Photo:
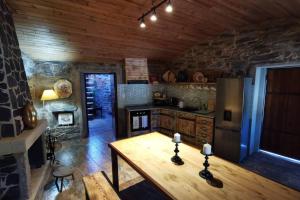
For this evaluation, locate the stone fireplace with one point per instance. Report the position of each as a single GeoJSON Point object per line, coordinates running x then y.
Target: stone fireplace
{"type": "Point", "coordinates": [23, 167]}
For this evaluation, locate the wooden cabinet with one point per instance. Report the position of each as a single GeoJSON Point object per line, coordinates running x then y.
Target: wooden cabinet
{"type": "Point", "coordinates": [194, 129]}
{"type": "Point", "coordinates": [186, 126]}
{"type": "Point", "coordinates": [204, 130]}
{"type": "Point", "coordinates": [155, 120]}
{"type": "Point", "coordinates": [167, 122]}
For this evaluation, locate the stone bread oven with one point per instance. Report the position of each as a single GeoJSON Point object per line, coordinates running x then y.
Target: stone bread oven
{"type": "Point", "coordinates": [22, 152]}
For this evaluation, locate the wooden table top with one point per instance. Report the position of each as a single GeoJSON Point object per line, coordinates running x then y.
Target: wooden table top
{"type": "Point", "coordinates": [150, 155]}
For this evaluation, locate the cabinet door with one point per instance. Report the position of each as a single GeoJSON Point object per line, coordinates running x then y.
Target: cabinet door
{"type": "Point", "coordinates": [155, 120]}
{"type": "Point", "coordinates": [186, 127]}
{"type": "Point", "coordinates": [166, 122]}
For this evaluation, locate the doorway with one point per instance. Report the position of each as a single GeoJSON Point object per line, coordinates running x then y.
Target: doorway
{"type": "Point", "coordinates": [281, 124]}
{"type": "Point", "coordinates": [100, 101]}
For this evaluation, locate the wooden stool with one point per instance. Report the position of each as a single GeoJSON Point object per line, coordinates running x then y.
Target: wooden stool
{"type": "Point", "coordinates": [62, 172]}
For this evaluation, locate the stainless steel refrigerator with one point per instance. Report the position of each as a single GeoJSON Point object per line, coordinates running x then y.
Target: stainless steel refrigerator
{"type": "Point", "coordinates": [233, 118]}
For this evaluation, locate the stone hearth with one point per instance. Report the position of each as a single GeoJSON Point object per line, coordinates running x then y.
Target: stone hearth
{"type": "Point", "coordinates": [19, 178]}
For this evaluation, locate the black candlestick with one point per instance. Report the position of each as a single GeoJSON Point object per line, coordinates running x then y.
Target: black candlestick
{"type": "Point", "coordinates": [176, 159]}
{"type": "Point", "coordinates": [205, 173]}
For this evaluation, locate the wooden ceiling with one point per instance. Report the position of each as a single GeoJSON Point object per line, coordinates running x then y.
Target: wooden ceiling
{"type": "Point", "coordinates": [97, 30]}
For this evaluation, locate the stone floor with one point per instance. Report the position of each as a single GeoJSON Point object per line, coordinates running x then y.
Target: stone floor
{"type": "Point", "coordinates": [275, 168]}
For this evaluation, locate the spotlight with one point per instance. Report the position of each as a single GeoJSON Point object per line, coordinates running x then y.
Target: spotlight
{"type": "Point", "coordinates": [169, 7]}
{"type": "Point", "coordinates": [153, 16]}
{"type": "Point", "coordinates": [142, 24]}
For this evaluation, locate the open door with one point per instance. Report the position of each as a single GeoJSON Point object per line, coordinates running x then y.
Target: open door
{"type": "Point", "coordinates": [281, 126]}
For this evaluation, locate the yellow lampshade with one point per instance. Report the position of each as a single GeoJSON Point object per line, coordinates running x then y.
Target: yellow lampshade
{"type": "Point", "coordinates": [49, 95]}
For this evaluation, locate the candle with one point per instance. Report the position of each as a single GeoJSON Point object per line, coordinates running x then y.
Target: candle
{"type": "Point", "coordinates": [176, 137]}
{"type": "Point", "coordinates": [207, 149]}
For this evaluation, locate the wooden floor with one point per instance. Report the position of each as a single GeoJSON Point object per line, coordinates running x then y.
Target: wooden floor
{"type": "Point", "coordinates": [93, 155]}
{"type": "Point", "coordinates": [88, 156]}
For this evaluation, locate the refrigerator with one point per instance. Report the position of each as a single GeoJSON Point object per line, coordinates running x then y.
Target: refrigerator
{"type": "Point", "coordinates": [233, 118]}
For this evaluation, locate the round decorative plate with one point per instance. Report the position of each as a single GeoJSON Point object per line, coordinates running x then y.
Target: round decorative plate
{"type": "Point", "coordinates": [198, 77]}
{"type": "Point", "coordinates": [63, 88]}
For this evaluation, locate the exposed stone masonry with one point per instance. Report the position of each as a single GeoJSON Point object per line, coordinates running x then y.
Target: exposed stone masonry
{"type": "Point", "coordinates": [9, 178]}
{"type": "Point", "coordinates": [43, 75]}
{"type": "Point", "coordinates": [14, 90]}
{"type": "Point", "coordinates": [103, 92]}
{"type": "Point", "coordinates": [238, 52]}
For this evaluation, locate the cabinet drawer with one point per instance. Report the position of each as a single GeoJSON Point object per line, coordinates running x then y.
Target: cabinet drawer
{"type": "Point", "coordinates": [186, 115]}
{"type": "Point", "coordinates": [167, 112]}
{"type": "Point", "coordinates": [205, 121]}
{"type": "Point", "coordinates": [204, 129]}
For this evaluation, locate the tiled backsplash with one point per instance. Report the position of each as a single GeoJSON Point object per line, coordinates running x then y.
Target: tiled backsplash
{"type": "Point", "coordinates": [193, 95]}
{"type": "Point", "coordinates": [134, 94]}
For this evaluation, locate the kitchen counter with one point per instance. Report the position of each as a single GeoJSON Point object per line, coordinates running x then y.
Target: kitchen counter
{"type": "Point", "coordinates": [152, 107]}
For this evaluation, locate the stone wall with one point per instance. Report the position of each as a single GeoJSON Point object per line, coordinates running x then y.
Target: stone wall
{"type": "Point", "coordinates": [239, 52]}
{"type": "Point", "coordinates": [104, 91]}
{"type": "Point", "coordinates": [9, 178]}
{"type": "Point", "coordinates": [43, 75]}
{"type": "Point", "coordinates": [14, 91]}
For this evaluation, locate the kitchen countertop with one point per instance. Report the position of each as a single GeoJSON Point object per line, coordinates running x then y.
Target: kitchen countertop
{"type": "Point", "coordinates": [152, 107]}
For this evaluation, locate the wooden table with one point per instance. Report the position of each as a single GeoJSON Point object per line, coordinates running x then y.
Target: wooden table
{"type": "Point", "coordinates": [150, 156]}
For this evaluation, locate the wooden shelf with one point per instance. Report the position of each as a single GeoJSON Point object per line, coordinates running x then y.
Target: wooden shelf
{"type": "Point", "coordinates": [184, 83]}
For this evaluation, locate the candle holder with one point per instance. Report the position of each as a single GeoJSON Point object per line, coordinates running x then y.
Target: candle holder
{"type": "Point", "coordinates": [176, 159]}
{"type": "Point", "coordinates": [205, 173]}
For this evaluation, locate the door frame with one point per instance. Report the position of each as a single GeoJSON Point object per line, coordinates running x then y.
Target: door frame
{"type": "Point", "coordinates": [85, 129]}
{"type": "Point", "coordinates": [259, 95]}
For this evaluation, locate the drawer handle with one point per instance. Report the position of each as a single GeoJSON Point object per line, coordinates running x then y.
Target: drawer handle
{"type": "Point", "coordinates": [204, 135]}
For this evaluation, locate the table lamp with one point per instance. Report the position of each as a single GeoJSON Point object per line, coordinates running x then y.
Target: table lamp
{"type": "Point", "coordinates": [48, 95]}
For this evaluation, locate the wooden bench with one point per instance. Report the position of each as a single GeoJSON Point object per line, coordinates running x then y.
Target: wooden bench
{"type": "Point", "coordinates": [98, 188]}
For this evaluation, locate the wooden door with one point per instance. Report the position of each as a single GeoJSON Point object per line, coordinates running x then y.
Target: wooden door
{"type": "Point", "coordinates": [281, 128]}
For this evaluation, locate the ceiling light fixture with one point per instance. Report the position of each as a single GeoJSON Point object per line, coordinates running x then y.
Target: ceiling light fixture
{"type": "Point", "coordinates": [142, 23]}
{"type": "Point", "coordinates": [153, 17]}
{"type": "Point", "coordinates": [169, 7]}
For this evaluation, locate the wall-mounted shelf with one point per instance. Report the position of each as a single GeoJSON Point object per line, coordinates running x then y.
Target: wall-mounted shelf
{"type": "Point", "coordinates": [185, 83]}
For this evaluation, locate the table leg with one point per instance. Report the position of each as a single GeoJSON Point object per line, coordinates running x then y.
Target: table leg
{"type": "Point", "coordinates": [115, 173]}
{"type": "Point", "coordinates": [56, 180]}
{"type": "Point", "coordinates": [61, 184]}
